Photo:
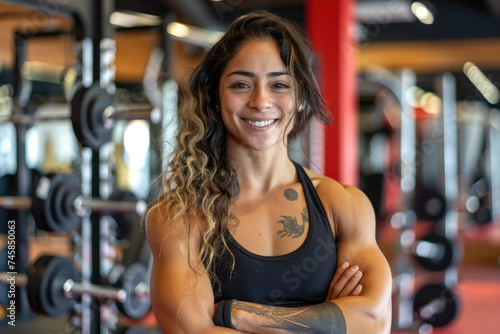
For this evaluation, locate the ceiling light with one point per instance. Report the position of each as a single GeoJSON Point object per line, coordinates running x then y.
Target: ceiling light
{"type": "Point", "coordinates": [194, 35]}
{"type": "Point", "coordinates": [422, 13]}
{"type": "Point", "coordinates": [129, 19]}
{"type": "Point", "coordinates": [178, 30]}
{"type": "Point", "coordinates": [482, 83]}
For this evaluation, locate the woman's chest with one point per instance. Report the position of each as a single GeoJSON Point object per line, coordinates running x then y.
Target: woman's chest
{"type": "Point", "coordinates": [272, 226]}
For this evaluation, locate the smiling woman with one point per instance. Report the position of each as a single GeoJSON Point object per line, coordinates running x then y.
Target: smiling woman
{"type": "Point", "coordinates": [243, 238]}
{"type": "Point", "coordinates": [257, 97]}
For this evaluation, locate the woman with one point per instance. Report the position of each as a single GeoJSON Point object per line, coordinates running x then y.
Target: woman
{"type": "Point", "coordinates": [244, 239]}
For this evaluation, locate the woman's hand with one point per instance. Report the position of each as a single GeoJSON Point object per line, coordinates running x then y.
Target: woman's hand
{"type": "Point", "coordinates": [345, 282]}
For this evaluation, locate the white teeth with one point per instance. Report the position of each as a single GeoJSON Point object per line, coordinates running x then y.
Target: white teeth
{"type": "Point", "coordinates": [260, 123]}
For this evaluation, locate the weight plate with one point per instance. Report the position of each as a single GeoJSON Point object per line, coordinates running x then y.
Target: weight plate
{"type": "Point", "coordinates": [87, 107]}
{"type": "Point", "coordinates": [41, 191]}
{"type": "Point", "coordinates": [48, 282]}
{"type": "Point", "coordinates": [62, 203]}
{"type": "Point", "coordinates": [52, 202]}
{"type": "Point", "coordinates": [134, 307]}
{"type": "Point", "coordinates": [430, 205]}
{"type": "Point", "coordinates": [63, 270]}
{"type": "Point", "coordinates": [33, 287]}
{"type": "Point", "coordinates": [439, 262]}
{"type": "Point", "coordinates": [124, 220]}
{"type": "Point", "coordinates": [437, 292]}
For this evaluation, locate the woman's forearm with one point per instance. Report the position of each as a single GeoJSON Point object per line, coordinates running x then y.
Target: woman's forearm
{"type": "Point", "coordinates": [320, 318]}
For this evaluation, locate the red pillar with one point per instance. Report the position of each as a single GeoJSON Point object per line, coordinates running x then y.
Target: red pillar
{"type": "Point", "coordinates": [329, 24]}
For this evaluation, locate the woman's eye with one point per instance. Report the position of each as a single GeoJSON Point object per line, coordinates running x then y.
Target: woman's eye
{"type": "Point", "coordinates": [239, 85]}
{"type": "Point", "coordinates": [280, 85]}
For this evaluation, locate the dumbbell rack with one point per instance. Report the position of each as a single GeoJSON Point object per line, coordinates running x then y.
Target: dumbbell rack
{"type": "Point", "coordinates": [96, 56]}
{"type": "Point", "coordinates": [433, 304]}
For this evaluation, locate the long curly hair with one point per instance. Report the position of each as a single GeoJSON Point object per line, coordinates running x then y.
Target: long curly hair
{"type": "Point", "coordinates": [199, 181]}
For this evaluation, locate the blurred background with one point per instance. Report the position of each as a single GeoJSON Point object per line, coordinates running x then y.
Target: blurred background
{"type": "Point", "coordinates": [89, 90]}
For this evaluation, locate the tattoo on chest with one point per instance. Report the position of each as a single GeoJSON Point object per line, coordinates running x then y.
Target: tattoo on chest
{"type": "Point", "coordinates": [291, 228]}
{"type": "Point", "coordinates": [291, 194]}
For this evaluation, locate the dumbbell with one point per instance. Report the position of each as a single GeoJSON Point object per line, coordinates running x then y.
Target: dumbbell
{"type": "Point", "coordinates": [436, 253]}
{"type": "Point", "coordinates": [92, 115]}
{"type": "Point", "coordinates": [436, 304]}
{"type": "Point", "coordinates": [52, 286]}
{"type": "Point", "coordinates": [57, 204]}
{"type": "Point", "coordinates": [430, 205]}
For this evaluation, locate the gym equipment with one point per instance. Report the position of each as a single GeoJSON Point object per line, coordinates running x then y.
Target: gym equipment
{"type": "Point", "coordinates": [430, 205]}
{"type": "Point", "coordinates": [57, 204]}
{"type": "Point", "coordinates": [134, 277]}
{"type": "Point", "coordinates": [436, 304]}
{"type": "Point", "coordinates": [435, 253]}
{"type": "Point", "coordinates": [52, 287]}
{"type": "Point", "coordinates": [92, 115]}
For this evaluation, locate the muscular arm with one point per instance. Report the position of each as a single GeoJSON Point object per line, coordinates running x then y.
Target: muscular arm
{"type": "Point", "coordinates": [357, 244]}
{"type": "Point", "coordinates": [182, 299]}
{"type": "Point", "coordinates": [320, 318]}
{"type": "Point", "coordinates": [369, 312]}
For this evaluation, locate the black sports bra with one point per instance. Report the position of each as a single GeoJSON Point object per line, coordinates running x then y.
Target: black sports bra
{"type": "Point", "coordinates": [299, 278]}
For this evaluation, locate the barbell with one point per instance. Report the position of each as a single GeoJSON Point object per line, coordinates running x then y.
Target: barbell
{"type": "Point", "coordinates": [92, 115]}
{"type": "Point", "coordinates": [52, 286]}
{"type": "Point", "coordinates": [57, 204]}
{"type": "Point", "coordinates": [435, 252]}
{"type": "Point", "coordinates": [436, 304]}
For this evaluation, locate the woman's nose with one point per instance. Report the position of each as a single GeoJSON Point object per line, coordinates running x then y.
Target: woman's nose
{"type": "Point", "coordinates": [260, 100]}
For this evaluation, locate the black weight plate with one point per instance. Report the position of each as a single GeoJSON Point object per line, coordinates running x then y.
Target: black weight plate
{"type": "Point", "coordinates": [33, 287]}
{"type": "Point", "coordinates": [133, 307]}
{"type": "Point", "coordinates": [50, 198]}
{"type": "Point", "coordinates": [95, 116]}
{"type": "Point", "coordinates": [51, 278]}
{"type": "Point", "coordinates": [62, 203]}
{"type": "Point", "coordinates": [124, 220]}
{"type": "Point", "coordinates": [483, 215]}
{"type": "Point", "coordinates": [41, 191]}
{"type": "Point", "coordinates": [53, 204]}
{"type": "Point", "coordinates": [86, 116]}
{"type": "Point", "coordinates": [80, 104]}
{"type": "Point", "coordinates": [441, 292]}
{"type": "Point", "coordinates": [430, 205]}
{"type": "Point", "coordinates": [63, 270]}
{"type": "Point", "coordinates": [76, 121]}
{"type": "Point", "coordinates": [449, 256]}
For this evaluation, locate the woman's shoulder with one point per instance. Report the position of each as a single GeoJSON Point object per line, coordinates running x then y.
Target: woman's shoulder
{"type": "Point", "coordinates": [166, 232]}
{"type": "Point", "coordinates": [336, 196]}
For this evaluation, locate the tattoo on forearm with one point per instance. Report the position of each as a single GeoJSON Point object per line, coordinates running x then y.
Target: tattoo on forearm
{"type": "Point", "coordinates": [321, 318]}
{"type": "Point", "coordinates": [290, 226]}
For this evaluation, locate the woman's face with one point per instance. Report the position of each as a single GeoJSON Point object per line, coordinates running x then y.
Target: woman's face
{"type": "Point", "coordinates": [257, 97]}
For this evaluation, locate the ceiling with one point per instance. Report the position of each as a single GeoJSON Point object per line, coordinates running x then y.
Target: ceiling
{"type": "Point", "coordinates": [463, 30]}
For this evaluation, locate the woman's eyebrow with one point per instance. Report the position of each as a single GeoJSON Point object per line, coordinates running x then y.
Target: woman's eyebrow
{"type": "Point", "coordinates": [251, 75]}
